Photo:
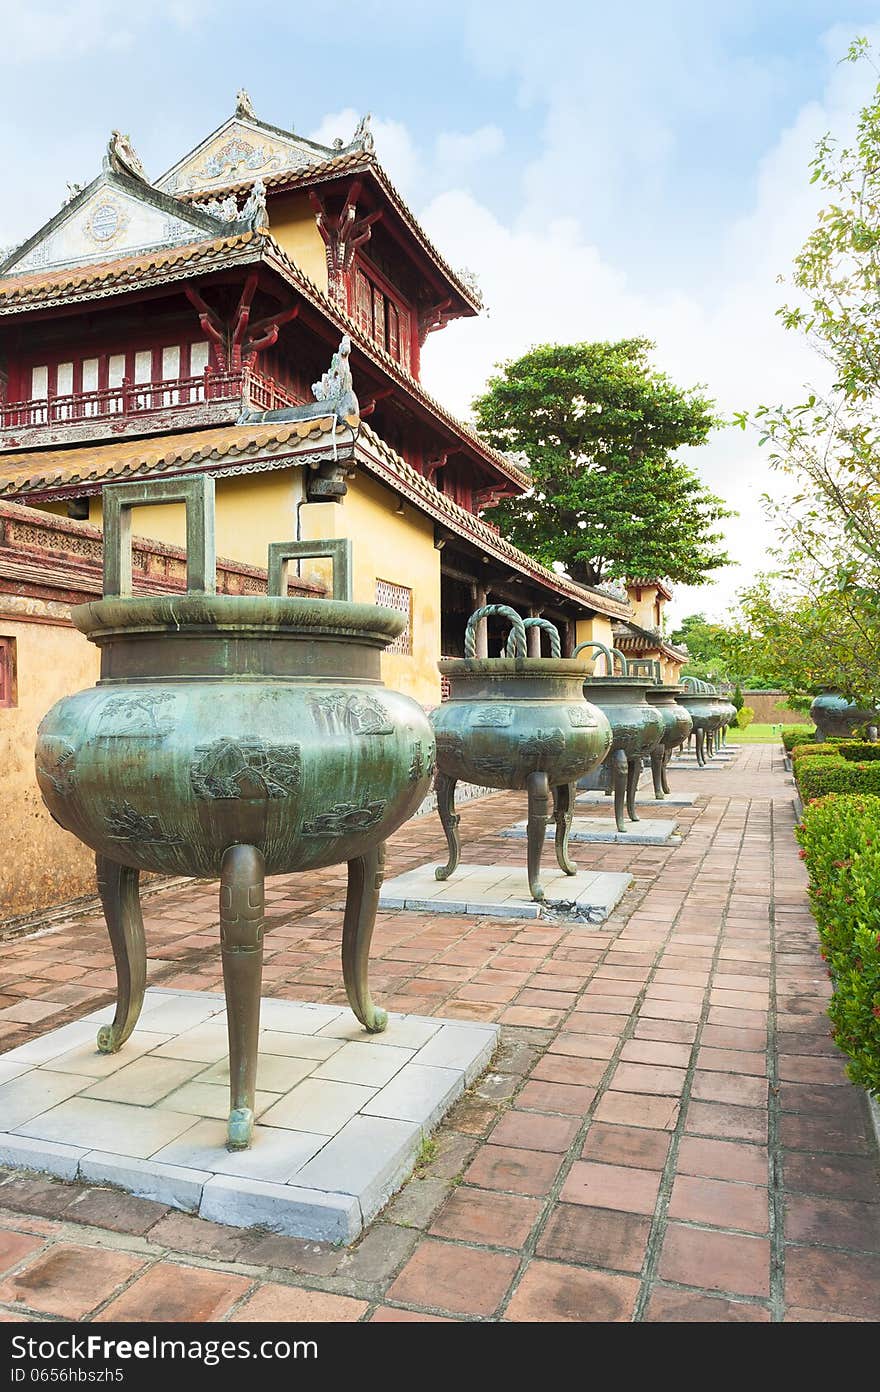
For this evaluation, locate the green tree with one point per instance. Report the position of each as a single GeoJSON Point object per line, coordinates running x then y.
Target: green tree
{"type": "Point", "coordinates": [828, 445]}
{"type": "Point", "coordinates": [710, 655]}
{"type": "Point", "coordinates": [598, 428]}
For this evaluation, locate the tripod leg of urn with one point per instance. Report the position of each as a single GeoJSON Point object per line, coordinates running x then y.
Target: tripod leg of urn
{"type": "Point", "coordinates": [365, 875]}
{"type": "Point", "coordinates": [538, 787]}
{"type": "Point", "coordinates": [563, 802]}
{"type": "Point", "coordinates": [619, 772]}
{"type": "Point", "coordinates": [449, 820]}
{"type": "Point", "coordinates": [700, 736]}
{"type": "Point", "coordinates": [657, 756]}
{"type": "Point", "coordinates": [118, 888]}
{"type": "Point", "coordinates": [633, 774]}
{"type": "Point", "coordinates": [664, 771]}
{"type": "Point", "coordinates": [242, 923]}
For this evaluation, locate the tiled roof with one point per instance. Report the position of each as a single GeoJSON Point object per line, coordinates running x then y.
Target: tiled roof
{"type": "Point", "coordinates": [389, 466]}
{"type": "Point", "coordinates": [90, 465]}
{"type": "Point", "coordinates": [112, 277]}
{"type": "Point", "coordinates": [196, 258]}
{"type": "Point", "coordinates": [353, 162]}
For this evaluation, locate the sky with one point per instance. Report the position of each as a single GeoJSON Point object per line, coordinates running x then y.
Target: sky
{"type": "Point", "coordinates": [606, 171]}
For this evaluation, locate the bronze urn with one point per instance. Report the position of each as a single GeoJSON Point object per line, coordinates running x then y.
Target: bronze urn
{"type": "Point", "coordinates": [232, 736]}
{"type": "Point", "coordinates": [636, 727]}
{"type": "Point", "coordinates": [516, 722]}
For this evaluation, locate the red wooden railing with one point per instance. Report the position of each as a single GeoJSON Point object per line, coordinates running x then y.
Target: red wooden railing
{"type": "Point", "coordinates": [137, 399]}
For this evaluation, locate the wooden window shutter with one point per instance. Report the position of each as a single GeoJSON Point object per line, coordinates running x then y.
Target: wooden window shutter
{"type": "Point", "coordinates": [379, 317]}
{"type": "Point", "coordinates": [364, 304]}
{"type": "Point", "coordinates": [393, 331]}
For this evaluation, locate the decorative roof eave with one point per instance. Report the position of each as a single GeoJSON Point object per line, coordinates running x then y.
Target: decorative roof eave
{"type": "Point", "coordinates": [223, 450]}
{"type": "Point", "coordinates": [631, 636]}
{"type": "Point", "coordinates": [659, 585]}
{"type": "Point", "coordinates": [20, 295]}
{"type": "Point", "coordinates": [357, 162]}
{"type": "Point", "coordinates": [278, 258]}
{"type": "Point", "coordinates": [382, 461]}
{"type": "Point", "coordinates": [92, 281]}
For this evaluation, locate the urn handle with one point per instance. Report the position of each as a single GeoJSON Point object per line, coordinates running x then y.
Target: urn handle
{"type": "Point", "coordinates": [555, 643]}
{"type": "Point", "coordinates": [196, 493]}
{"type": "Point", "coordinates": [518, 629]}
{"type": "Point", "coordinates": [337, 549]}
{"type": "Point", "coordinates": [600, 647]}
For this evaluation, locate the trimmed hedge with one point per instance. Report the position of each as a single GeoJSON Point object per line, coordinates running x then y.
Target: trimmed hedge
{"type": "Point", "coordinates": [859, 749]}
{"type": "Point", "coordinates": [810, 751]}
{"type": "Point", "coordinates": [796, 734]}
{"type": "Point", "coordinates": [830, 773]}
{"type": "Point", "coordinates": [840, 841]}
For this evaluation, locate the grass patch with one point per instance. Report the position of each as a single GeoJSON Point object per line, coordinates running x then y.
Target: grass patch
{"type": "Point", "coordinates": [760, 734]}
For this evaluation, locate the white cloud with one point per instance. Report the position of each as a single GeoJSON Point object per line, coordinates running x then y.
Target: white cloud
{"type": "Point", "coordinates": [456, 153]}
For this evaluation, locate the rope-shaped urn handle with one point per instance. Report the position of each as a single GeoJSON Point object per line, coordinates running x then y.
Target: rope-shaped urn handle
{"type": "Point", "coordinates": [547, 626]}
{"type": "Point", "coordinates": [609, 653]}
{"type": "Point", "coordinates": [518, 628]}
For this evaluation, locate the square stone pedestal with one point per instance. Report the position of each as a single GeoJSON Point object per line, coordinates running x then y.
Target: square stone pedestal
{"type": "Point", "coordinates": [644, 798]}
{"type": "Point", "coordinates": [653, 831]}
{"type": "Point", "coordinates": [502, 891]}
{"type": "Point", "coordinates": [341, 1114]}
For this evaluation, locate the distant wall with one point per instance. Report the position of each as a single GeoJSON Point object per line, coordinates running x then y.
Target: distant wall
{"type": "Point", "coordinates": [769, 709]}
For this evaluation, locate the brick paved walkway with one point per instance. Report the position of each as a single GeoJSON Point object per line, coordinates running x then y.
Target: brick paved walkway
{"type": "Point", "coordinates": [667, 1132]}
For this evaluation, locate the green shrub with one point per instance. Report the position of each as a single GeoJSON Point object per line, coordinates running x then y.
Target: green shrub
{"type": "Point", "coordinates": [796, 734]}
{"type": "Point", "coordinates": [859, 749]}
{"type": "Point", "coordinates": [737, 699]}
{"type": "Point", "coordinates": [840, 841]}
{"type": "Point", "coordinates": [744, 717]}
{"type": "Point", "coordinates": [829, 773]}
{"type": "Point", "coordinates": [810, 751]}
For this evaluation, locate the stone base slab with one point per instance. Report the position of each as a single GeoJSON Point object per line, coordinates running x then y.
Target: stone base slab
{"type": "Point", "coordinates": [341, 1113]}
{"type": "Point", "coordinates": [644, 798]}
{"type": "Point", "coordinates": [502, 891]}
{"type": "Point", "coordinates": [656, 831]}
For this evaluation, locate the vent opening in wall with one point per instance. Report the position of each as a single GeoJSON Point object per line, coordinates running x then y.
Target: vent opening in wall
{"type": "Point", "coordinates": [400, 598]}
{"type": "Point", "coordinates": [8, 675]}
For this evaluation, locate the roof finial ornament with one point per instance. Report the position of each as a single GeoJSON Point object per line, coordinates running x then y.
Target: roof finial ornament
{"type": "Point", "coordinates": [254, 210]}
{"type": "Point", "coordinates": [122, 158]}
{"type": "Point", "coordinates": [243, 105]}
{"type": "Point", "coordinates": [363, 136]}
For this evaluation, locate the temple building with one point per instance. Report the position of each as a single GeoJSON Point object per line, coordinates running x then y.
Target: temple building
{"type": "Point", "coordinates": [258, 313]}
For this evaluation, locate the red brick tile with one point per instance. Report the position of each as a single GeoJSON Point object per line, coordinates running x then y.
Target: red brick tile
{"type": "Point", "coordinates": [549, 1293]}
{"type": "Point", "coordinates": [732, 1061]}
{"type": "Point", "coordinates": [655, 1051]}
{"type": "Point", "coordinates": [591, 1023]}
{"type": "Point", "coordinates": [731, 1037]}
{"type": "Point", "coordinates": [179, 1294]}
{"type": "Point", "coordinates": [446, 1276]}
{"type": "Point", "coordinates": [806, 1068]}
{"type": "Point", "coordinates": [586, 1046]}
{"type": "Point", "coordinates": [514, 1170]}
{"type": "Point", "coordinates": [670, 1010]}
{"type": "Point", "coordinates": [798, 1315]}
{"type": "Point", "coordinates": [478, 1215]}
{"type": "Point", "coordinates": [535, 1131]}
{"type": "Point", "coordinates": [69, 1281]}
{"type": "Point", "coordinates": [730, 1122]}
{"type": "Point", "coordinates": [597, 1004]}
{"type": "Point", "coordinates": [736, 1019]}
{"type": "Point", "coordinates": [819, 1133]}
{"type": "Point", "coordinates": [557, 1097]}
{"type": "Point", "coordinates": [595, 1237]}
{"type": "Point", "coordinates": [532, 1015]}
{"type": "Point", "coordinates": [722, 1160]}
{"type": "Point", "coordinates": [690, 1307]}
{"type": "Point", "coordinates": [716, 1261]}
{"type": "Point", "coordinates": [839, 1176]}
{"type": "Point", "coordinates": [626, 1145]}
{"type": "Point", "coordinates": [612, 1186]}
{"type": "Point", "coordinates": [670, 1031]}
{"type": "Point", "coordinates": [15, 1246]}
{"type": "Point", "coordinates": [290, 1305]}
{"type": "Point", "coordinates": [648, 1078]}
{"type": "Point", "coordinates": [843, 1283]}
{"type": "Point", "coordinates": [558, 1068]}
{"type": "Point", "coordinates": [635, 1109]}
{"type": "Point", "coordinates": [833, 1222]}
{"type": "Point", "coordinates": [729, 1087]}
{"type": "Point", "coordinates": [719, 1204]}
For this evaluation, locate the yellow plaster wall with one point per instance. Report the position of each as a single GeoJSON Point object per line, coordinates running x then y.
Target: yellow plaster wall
{"type": "Point", "coordinates": [292, 224]}
{"type": "Point", "coordinates": [643, 609]}
{"type": "Point", "coordinates": [400, 549]}
{"type": "Point", "coordinates": [595, 630]}
{"type": "Point", "coordinates": [251, 511]}
{"type": "Point", "coordinates": [40, 864]}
